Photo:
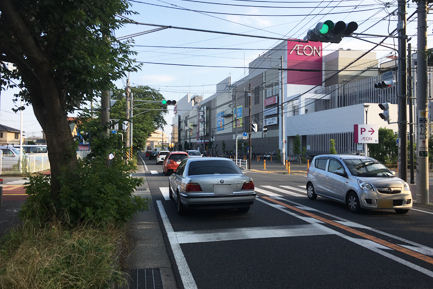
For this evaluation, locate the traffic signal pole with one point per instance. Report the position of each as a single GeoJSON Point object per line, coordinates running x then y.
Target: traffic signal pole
{"type": "Point", "coordinates": [402, 90]}
{"type": "Point", "coordinates": [422, 180]}
{"type": "Point", "coordinates": [249, 135]}
{"type": "Point", "coordinates": [283, 133]}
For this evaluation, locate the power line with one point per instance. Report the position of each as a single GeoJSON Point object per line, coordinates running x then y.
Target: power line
{"type": "Point", "coordinates": [249, 15]}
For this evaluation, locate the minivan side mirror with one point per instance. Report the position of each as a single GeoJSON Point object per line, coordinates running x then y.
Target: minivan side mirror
{"type": "Point", "coordinates": [341, 172]}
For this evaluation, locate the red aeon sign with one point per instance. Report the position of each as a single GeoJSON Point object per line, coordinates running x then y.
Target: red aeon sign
{"type": "Point", "coordinates": [307, 58]}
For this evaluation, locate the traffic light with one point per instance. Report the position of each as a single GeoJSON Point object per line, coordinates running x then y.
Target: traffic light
{"type": "Point", "coordinates": [265, 130]}
{"type": "Point", "coordinates": [384, 84]}
{"type": "Point", "coordinates": [329, 32]}
{"type": "Point", "coordinates": [254, 127]}
{"type": "Point", "coordinates": [168, 102]}
{"type": "Point", "coordinates": [385, 115]}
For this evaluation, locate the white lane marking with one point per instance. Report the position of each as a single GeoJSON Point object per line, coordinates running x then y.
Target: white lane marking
{"type": "Point", "coordinates": [282, 191]}
{"type": "Point", "coordinates": [184, 271]}
{"type": "Point", "coordinates": [367, 245]}
{"type": "Point", "coordinates": [187, 237]}
{"type": "Point", "coordinates": [266, 192]}
{"type": "Point", "coordinates": [165, 193]}
{"type": "Point", "coordinates": [17, 182]}
{"type": "Point", "coordinates": [421, 249]}
{"type": "Point", "coordinates": [154, 172]}
{"type": "Point", "coordinates": [303, 191]}
{"type": "Point", "coordinates": [422, 211]}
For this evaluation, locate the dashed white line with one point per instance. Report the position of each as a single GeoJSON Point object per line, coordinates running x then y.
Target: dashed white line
{"type": "Point", "coordinates": [165, 193]}
{"type": "Point", "coordinates": [283, 191]}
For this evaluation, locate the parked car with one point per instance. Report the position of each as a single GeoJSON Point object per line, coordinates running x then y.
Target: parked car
{"type": "Point", "coordinates": [172, 161]}
{"type": "Point", "coordinates": [10, 157]}
{"type": "Point", "coordinates": [207, 183]}
{"type": "Point", "coordinates": [161, 156]}
{"type": "Point", "coordinates": [194, 153]}
{"type": "Point", "coordinates": [358, 181]}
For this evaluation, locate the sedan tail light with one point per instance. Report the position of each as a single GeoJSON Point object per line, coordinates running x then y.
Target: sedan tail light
{"type": "Point", "coordinates": [193, 187]}
{"type": "Point", "coordinates": [248, 186]}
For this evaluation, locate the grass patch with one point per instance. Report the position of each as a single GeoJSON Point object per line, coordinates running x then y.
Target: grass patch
{"type": "Point", "coordinates": [57, 257]}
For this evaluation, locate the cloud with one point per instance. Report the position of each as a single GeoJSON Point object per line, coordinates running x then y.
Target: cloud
{"type": "Point", "coordinates": [158, 78]}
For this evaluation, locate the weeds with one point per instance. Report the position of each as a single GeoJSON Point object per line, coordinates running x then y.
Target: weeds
{"type": "Point", "coordinates": [55, 257]}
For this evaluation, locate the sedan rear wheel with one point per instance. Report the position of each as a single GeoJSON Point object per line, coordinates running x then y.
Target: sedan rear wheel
{"type": "Point", "coordinates": [353, 202]}
{"type": "Point", "coordinates": [310, 192]}
{"type": "Point", "coordinates": [180, 209]}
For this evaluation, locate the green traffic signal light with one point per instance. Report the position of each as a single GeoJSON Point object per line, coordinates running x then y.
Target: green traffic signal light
{"type": "Point", "coordinates": [324, 29]}
{"type": "Point", "coordinates": [164, 101]}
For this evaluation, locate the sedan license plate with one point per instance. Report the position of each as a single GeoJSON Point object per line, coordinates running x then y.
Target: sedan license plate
{"type": "Point", "coordinates": [384, 204]}
{"type": "Point", "coordinates": [222, 189]}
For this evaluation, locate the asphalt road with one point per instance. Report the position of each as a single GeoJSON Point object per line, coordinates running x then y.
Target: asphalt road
{"type": "Point", "coordinates": [289, 241]}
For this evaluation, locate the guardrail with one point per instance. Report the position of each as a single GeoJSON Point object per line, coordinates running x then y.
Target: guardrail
{"type": "Point", "coordinates": [31, 163]}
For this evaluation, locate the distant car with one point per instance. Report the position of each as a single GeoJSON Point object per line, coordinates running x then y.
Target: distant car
{"type": "Point", "coordinates": [10, 157]}
{"type": "Point", "coordinates": [194, 153]}
{"type": "Point", "coordinates": [358, 181]}
{"type": "Point", "coordinates": [161, 156]}
{"type": "Point", "coordinates": [153, 155]}
{"type": "Point", "coordinates": [208, 183]}
{"type": "Point", "coordinates": [172, 161]}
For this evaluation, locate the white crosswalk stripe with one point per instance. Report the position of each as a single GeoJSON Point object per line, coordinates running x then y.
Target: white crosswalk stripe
{"type": "Point", "coordinates": [304, 190]}
{"type": "Point", "coordinates": [154, 172]}
{"type": "Point", "coordinates": [282, 191]}
{"type": "Point", "coordinates": [266, 192]}
{"type": "Point", "coordinates": [165, 193]}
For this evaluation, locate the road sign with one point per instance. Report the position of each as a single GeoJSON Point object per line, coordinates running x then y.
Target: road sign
{"type": "Point", "coordinates": [245, 135]}
{"type": "Point", "coordinates": [366, 133]}
{"type": "Point", "coordinates": [113, 131]}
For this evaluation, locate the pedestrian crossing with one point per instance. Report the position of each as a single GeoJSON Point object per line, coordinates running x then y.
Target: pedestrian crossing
{"type": "Point", "coordinates": [271, 191]}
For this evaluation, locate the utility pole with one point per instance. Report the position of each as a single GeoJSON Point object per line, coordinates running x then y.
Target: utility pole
{"type": "Point", "coordinates": [422, 179]}
{"type": "Point", "coordinates": [249, 135]}
{"type": "Point", "coordinates": [105, 108]}
{"type": "Point", "coordinates": [131, 125]}
{"type": "Point", "coordinates": [409, 98]}
{"type": "Point", "coordinates": [127, 117]}
{"type": "Point", "coordinates": [402, 89]}
{"type": "Point", "coordinates": [283, 135]}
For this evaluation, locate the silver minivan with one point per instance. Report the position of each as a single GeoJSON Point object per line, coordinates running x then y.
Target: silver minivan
{"type": "Point", "coordinates": [10, 158]}
{"type": "Point", "coordinates": [358, 181]}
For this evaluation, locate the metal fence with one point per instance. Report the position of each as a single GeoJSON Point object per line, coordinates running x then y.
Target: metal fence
{"type": "Point", "coordinates": [243, 164]}
{"type": "Point", "coordinates": [31, 163]}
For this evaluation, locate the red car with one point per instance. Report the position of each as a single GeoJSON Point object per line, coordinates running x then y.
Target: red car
{"type": "Point", "coordinates": [172, 161]}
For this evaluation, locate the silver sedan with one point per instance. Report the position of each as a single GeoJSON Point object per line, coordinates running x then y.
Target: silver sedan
{"type": "Point", "coordinates": [211, 183]}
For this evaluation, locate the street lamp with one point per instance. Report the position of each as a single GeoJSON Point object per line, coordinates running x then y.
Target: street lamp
{"type": "Point", "coordinates": [366, 122]}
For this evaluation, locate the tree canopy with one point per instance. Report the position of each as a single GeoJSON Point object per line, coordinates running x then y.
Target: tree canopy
{"type": "Point", "coordinates": [64, 54]}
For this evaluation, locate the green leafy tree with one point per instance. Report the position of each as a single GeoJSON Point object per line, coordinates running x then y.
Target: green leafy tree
{"type": "Point", "coordinates": [147, 114]}
{"type": "Point", "coordinates": [65, 54]}
{"type": "Point", "coordinates": [386, 151]}
{"type": "Point", "coordinates": [332, 149]}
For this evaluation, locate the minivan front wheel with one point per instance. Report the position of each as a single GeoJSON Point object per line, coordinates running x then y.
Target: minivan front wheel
{"type": "Point", "coordinates": [353, 202]}
{"type": "Point", "coordinates": [310, 192]}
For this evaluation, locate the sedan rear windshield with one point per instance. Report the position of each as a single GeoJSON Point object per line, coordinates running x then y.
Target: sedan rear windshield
{"type": "Point", "coordinates": [213, 167]}
{"type": "Point", "coordinates": [163, 153]}
{"type": "Point", "coordinates": [367, 168]}
{"type": "Point", "coordinates": [194, 153]}
{"type": "Point", "coordinates": [178, 157]}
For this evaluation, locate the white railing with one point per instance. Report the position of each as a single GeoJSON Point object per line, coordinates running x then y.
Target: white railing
{"type": "Point", "coordinates": [243, 164]}
{"type": "Point", "coordinates": [36, 162]}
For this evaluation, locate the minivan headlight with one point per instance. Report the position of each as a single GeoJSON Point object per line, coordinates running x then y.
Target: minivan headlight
{"type": "Point", "coordinates": [365, 185]}
{"type": "Point", "coordinates": [406, 186]}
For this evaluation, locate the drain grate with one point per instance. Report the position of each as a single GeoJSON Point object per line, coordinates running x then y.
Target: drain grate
{"type": "Point", "coordinates": [145, 279]}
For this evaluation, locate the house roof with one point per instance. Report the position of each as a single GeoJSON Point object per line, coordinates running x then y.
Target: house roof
{"type": "Point", "coordinates": [8, 128]}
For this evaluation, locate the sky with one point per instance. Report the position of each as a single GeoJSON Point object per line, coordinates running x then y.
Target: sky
{"type": "Point", "coordinates": [177, 61]}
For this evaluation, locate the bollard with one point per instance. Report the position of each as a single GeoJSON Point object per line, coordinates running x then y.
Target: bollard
{"type": "Point", "coordinates": [288, 168]}
{"type": "Point", "coordinates": [258, 158]}
{"type": "Point", "coordinates": [271, 158]}
{"type": "Point", "coordinates": [264, 164]}
{"type": "Point", "coordinates": [308, 164]}
{"type": "Point", "coordinates": [286, 163]}
{"type": "Point", "coordinates": [1, 192]}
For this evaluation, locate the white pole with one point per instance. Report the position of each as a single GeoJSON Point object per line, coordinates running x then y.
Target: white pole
{"type": "Point", "coordinates": [236, 149]}
{"type": "Point", "coordinates": [21, 140]}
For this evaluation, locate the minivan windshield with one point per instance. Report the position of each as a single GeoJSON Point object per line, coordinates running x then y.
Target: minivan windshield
{"type": "Point", "coordinates": [367, 168]}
